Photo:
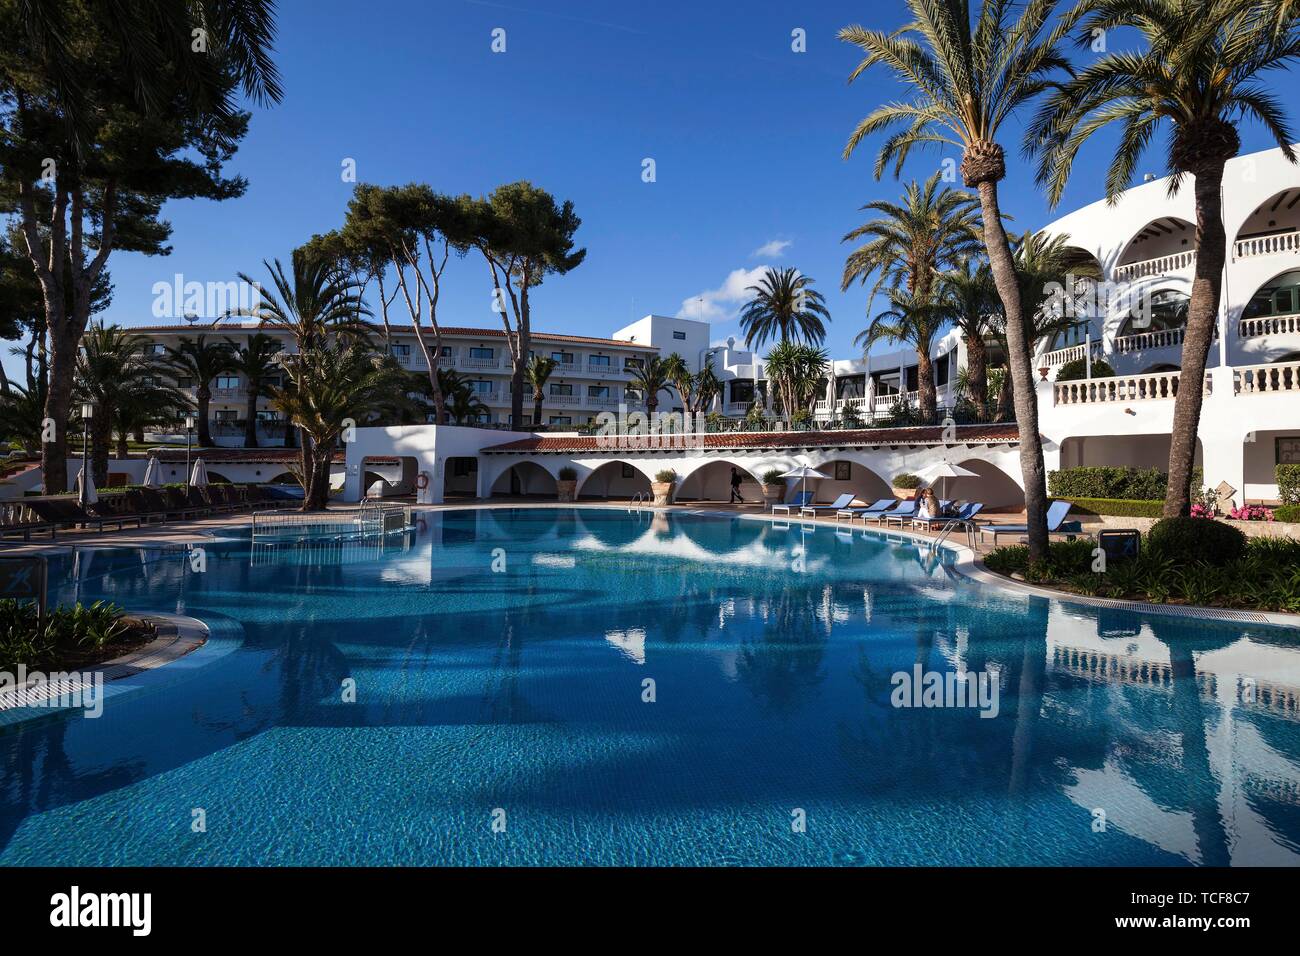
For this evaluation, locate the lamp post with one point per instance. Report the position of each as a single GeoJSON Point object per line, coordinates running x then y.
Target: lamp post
{"type": "Point", "coordinates": [189, 440]}
{"type": "Point", "coordinates": [87, 415]}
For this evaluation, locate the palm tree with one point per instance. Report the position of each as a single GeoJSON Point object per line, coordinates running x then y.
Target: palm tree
{"type": "Point", "coordinates": [201, 361]}
{"type": "Point", "coordinates": [1200, 73]}
{"type": "Point", "coordinates": [707, 386]}
{"type": "Point", "coordinates": [968, 79]}
{"type": "Point", "coordinates": [929, 230]}
{"type": "Point", "coordinates": [1052, 288]}
{"type": "Point", "coordinates": [464, 406]}
{"type": "Point", "coordinates": [22, 414]}
{"type": "Point", "coordinates": [536, 373]}
{"type": "Point", "coordinates": [114, 371]}
{"type": "Point", "coordinates": [971, 299]}
{"type": "Point", "coordinates": [679, 374]}
{"type": "Point", "coordinates": [914, 320]}
{"type": "Point", "coordinates": [317, 302]}
{"type": "Point", "coordinates": [795, 372]}
{"type": "Point", "coordinates": [786, 308]}
{"type": "Point", "coordinates": [325, 387]}
{"type": "Point", "coordinates": [256, 360]}
{"type": "Point", "coordinates": [651, 379]}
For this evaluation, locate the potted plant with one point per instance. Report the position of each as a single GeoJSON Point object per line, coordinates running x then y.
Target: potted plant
{"type": "Point", "coordinates": [663, 486]}
{"type": "Point", "coordinates": [773, 486]}
{"type": "Point", "coordinates": [905, 486]}
{"type": "Point", "coordinates": [567, 483]}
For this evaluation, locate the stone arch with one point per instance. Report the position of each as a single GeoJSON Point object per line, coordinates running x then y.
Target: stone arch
{"type": "Point", "coordinates": [525, 479]}
{"type": "Point", "coordinates": [1265, 229]}
{"type": "Point", "coordinates": [994, 487]}
{"type": "Point", "coordinates": [1160, 237]}
{"type": "Point", "coordinates": [217, 478]}
{"type": "Point", "coordinates": [1277, 298]}
{"type": "Point", "coordinates": [1160, 367]}
{"type": "Point", "coordinates": [866, 485]}
{"type": "Point", "coordinates": [284, 478]}
{"type": "Point", "coordinates": [1167, 308]}
{"type": "Point", "coordinates": [711, 481]}
{"type": "Point", "coordinates": [609, 480]}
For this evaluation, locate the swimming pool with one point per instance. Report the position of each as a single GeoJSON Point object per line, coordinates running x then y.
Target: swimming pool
{"type": "Point", "coordinates": [502, 715]}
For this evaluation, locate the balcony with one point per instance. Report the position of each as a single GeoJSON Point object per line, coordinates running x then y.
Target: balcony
{"type": "Point", "coordinates": [479, 364]}
{"type": "Point", "coordinates": [1164, 265]}
{"type": "Point", "coordinates": [605, 370]}
{"type": "Point", "coordinates": [1142, 341]}
{"type": "Point", "coordinates": [1266, 379]}
{"type": "Point", "coordinates": [1279, 244]}
{"type": "Point", "coordinates": [1071, 353]}
{"type": "Point", "coordinates": [608, 401]}
{"type": "Point", "coordinates": [1268, 325]}
{"type": "Point", "coordinates": [567, 368]}
{"type": "Point", "coordinates": [564, 401]}
{"type": "Point", "coordinates": [1153, 386]}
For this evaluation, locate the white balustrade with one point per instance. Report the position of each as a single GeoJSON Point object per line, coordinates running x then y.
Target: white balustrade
{"type": "Point", "coordinates": [1279, 244]}
{"type": "Point", "coordinates": [1152, 386]}
{"type": "Point", "coordinates": [1268, 325]}
{"type": "Point", "coordinates": [1261, 379]}
{"type": "Point", "coordinates": [1163, 265]}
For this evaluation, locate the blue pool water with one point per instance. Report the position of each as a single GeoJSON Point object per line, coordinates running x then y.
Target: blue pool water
{"type": "Point", "coordinates": [516, 695]}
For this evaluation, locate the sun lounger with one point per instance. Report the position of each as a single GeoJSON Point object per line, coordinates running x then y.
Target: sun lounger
{"type": "Point", "coordinates": [901, 515]}
{"type": "Point", "coordinates": [812, 510]}
{"type": "Point", "coordinates": [1056, 523]}
{"type": "Point", "coordinates": [962, 515]}
{"type": "Point", "coordinates": [905, 509]}
{"type": "Point", "coordinates": [801, 499]}
{"type": "Point", "coordinates": [879, 507]}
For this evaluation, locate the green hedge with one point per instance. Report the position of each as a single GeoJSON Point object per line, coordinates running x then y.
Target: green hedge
{"type": "Point", "coordinates": [1117, 507]}
{"type": "Point", "coordinates": [1288, 484]}
{"type": "Point", "coordinates": [1077, 370]}
{"type": "Point", "coordinates": [1287, 513]}
{"type": "Point", "coordinates": [1113, 482]}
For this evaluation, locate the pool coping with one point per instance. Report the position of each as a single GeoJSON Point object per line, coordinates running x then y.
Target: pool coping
{"type": "Point", "coordinates": [968, 562]}
{"type": "Point", "coordinates": [178, 636]}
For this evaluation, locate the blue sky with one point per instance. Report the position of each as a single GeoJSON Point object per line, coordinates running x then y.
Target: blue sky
{"type": "Point", "coordinates": [746, 136]}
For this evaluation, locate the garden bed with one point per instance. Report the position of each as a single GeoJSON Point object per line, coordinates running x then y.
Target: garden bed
{"type": "Point", "coordinates": [71, 638]}
{"type": "Point", "coordinates": [1265, 578]}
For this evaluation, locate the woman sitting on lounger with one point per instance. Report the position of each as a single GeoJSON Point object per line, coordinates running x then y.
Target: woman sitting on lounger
{"type": "Point", "coordinates": [927, 505]}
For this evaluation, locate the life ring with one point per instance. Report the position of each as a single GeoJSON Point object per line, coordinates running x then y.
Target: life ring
{"type": "Point", "coordinates": [422, 480]}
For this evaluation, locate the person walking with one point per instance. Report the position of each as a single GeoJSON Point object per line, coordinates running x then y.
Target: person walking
{"type": "Point", "coordinates": [735, 487]}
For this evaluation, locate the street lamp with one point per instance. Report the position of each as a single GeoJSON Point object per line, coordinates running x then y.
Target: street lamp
{"type": "Point", "coordinates": [189, 439]}
{"type": "Point", "coordinates": [87, 414]}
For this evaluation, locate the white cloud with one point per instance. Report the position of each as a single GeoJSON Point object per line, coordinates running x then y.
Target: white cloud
{"type": "Point", "coordinates": [771, 249]}
{"type": "Point", "coordinates": [725, 301]}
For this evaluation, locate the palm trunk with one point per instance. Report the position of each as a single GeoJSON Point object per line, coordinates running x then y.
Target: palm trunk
{"type": "Point", "coordinates": [1202, 314]}
{"type": "Point", "coordinates": [307, 465]}
{"type": "Point", "coordinates": [1004, 397]}
{"type": "Point", "coordinates": [928, 395]}
{"type": "Point", "coordinates": [1020, 369]}
{"type": "Point", "coordinates": [250, 421]}
{"type": "Point", "coordinates": [204, 397]}
{"type": "Point", "coordinates": [123, 449]}
{"type": "Point", "coordinates": [977, 370]}
{"type": "Point", "coordinates": [537, 406]}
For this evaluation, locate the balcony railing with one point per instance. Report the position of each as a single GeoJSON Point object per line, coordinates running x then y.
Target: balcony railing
{"type": "Point", "coordinates": [1268, 325]}
{"type": "Point", "coordinates": [1261, 379]}
{"type": "Point", "coordinates": [567, 368]}
{"type": "Point", "coordinates": [1279, 244]}
{"type": "Point", "coordinates": [607, 401]}
{"type": "Point", "coordinates": [1153, 386]}
{"type": "Point", "coordinates": [1156, 339]}
{"type": "Point", "coordinates": [1071, 353]}
{"type": "Point", "coordinates": [562, 400]}
{"type": "Point", "coordinates": [1160, 266]}
{"type": "Point", "coordinates": [479, 363]}
{"type": "Point", "coordinates": [605, 369]}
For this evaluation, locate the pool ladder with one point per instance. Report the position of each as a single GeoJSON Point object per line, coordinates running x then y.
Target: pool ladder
{"type": "Point", "coordinates": [639, 500]}
{"type": "Point", "coordinates": [949, 528]}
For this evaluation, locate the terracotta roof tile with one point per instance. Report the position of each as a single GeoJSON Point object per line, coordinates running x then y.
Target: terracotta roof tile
{"type": "Point", "coordinates": [931, 435]}
{"type": "Point", "coordinates": [207, 328]}
{"type": "Point", "coordinates": [242, 456]}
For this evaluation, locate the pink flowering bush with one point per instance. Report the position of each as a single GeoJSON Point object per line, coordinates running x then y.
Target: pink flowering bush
{"type": "Point", "coordinates": [1202, 511]}
{"type": "Point", "coordinates": [1251, 513]}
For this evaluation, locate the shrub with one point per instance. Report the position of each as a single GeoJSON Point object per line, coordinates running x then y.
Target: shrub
{"type": "Point", "coordinates": [772, 476]}
{"type": "Point", "coordinates": [1251, 513]}
{"type": "Point", "coordinates": [1110, 481]}
{"type": "Point", "coordinates": [1287, 513]}
{"type": "Point", "coordinates": [68, 629]}
{"type": "Point", "coordinates": [1117, 507]}
{"type": "Point", "coordinates": [907, 481]}
{"type": "Point", "coordinates": [568, 473]}
{"type": "Point", "coordinates": [1187, 540]}
{"type": "Point", "coordinates": [666, 477]}
{"type": "Point", "coordinates": [1288, 484]}
{"type": "Point", "coordinates": [1078, 370]}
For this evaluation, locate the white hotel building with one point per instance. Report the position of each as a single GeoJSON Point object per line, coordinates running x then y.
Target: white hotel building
{"type": "Point", "coordinates": [1144, 243]}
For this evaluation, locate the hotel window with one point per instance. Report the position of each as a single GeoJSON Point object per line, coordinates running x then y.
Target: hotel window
{"type": "Point", "coordinates": [564, 358]}
{"type": "Point", "coordinates": [561, 420]}
{"type": "Point", "coordinates": [446, 351]}
{"type": "Point", "coordinates": [598, 391]}
{"type": "Point", "coordinates": [227, 381]}
{"type": "Point", "coordinates": [941, 370]}
{"type": "Point", "coordinates": [184, 381]}
{"type": "Point", "coordinates": [401, 350]}
{"type": "Point", "coordinates": [481, 386]}
{"type": "Point", "coordinates": [1279, 297]}
{"type": "Point", "coordinates": [226, 415]}
{"type": "Point", "coordinates": [561, 389]}
{"type": "Point", "coordinates": [479, 352]}
{"type": "Point", "coordinates": [268, 415]}
{"type": "Point", "coordinates": [680, 336]}
{"type": "Point", "coordinates": [742, 391]}
{"type": "Point", "coordinates": [633, 364]}
{"type": "Point", "coordinates": [598, 361]}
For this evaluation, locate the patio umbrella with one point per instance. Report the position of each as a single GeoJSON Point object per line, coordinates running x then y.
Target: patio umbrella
{"type": "Point", "coordinates": [942, 471]}
{"type": "Point", "coordinates": [803, 473]}
{"type": "Point", "coordinates": [199, 479]}
{"type": "Point", "coordinates": [86, 495]}
{"type": "Point", "coordinates": [153, 473]}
